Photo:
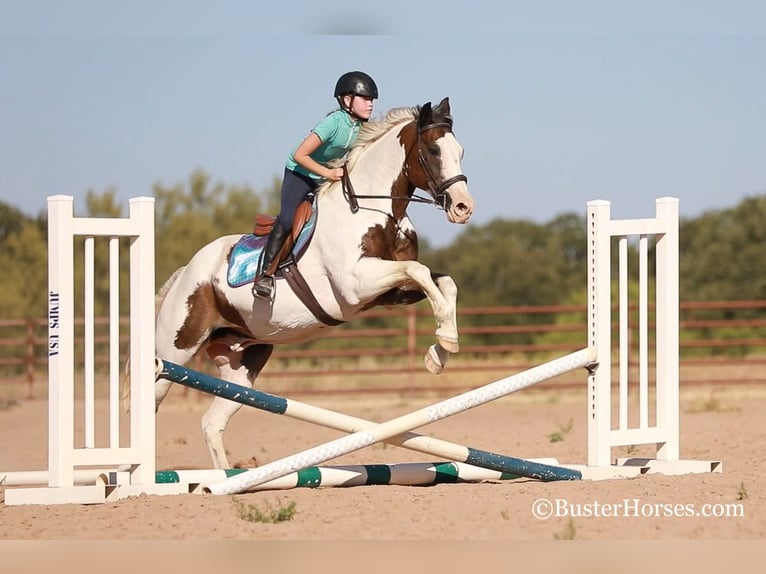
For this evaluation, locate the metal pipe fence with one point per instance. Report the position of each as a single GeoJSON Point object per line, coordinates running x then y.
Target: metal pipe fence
{"type": "Point", "coordinates": [722, 342]}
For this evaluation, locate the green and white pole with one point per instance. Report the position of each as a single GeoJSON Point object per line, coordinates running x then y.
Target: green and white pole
{"type": "Point", "coordinates": [402, 474]}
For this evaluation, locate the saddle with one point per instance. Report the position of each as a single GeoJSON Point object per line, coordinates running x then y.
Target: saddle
{"type": "Point", "coordinates": [284, 264]}
{"type": "Point", "coordinates": [244, 257]}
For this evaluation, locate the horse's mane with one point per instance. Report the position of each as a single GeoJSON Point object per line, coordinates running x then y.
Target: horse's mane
{"type": "Point", "coordinates": [369, 133]}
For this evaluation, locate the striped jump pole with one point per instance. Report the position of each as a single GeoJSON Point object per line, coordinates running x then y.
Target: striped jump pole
{"type": "Point", "coordinates": [350, 424]}
{"type": "Point", "coordinates": [401, 474]}
{"type": "Point", "coordinates": [405, 423]}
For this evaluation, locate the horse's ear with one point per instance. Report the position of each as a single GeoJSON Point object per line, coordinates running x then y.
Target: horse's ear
{"type": "Point", "coordinates": [443, 107]}
{"type": "Point", "coordinates": [425, 114]}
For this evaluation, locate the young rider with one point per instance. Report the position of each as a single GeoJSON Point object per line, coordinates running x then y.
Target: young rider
{"type": "Point", "coordinates": [306, 167]}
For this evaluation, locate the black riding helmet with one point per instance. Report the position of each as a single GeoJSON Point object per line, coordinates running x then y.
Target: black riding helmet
{"type": "Point", "coordinates": [356, 84]}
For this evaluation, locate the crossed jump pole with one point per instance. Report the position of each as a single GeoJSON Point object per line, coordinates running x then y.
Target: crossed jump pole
{"type": "Point", "coordinates": [396, 431]}
{"type": "Point", "coordinates": [405, 423]}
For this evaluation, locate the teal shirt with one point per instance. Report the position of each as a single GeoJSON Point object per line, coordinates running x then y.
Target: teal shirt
{"type": "Point", "coordinates": [338, 132]}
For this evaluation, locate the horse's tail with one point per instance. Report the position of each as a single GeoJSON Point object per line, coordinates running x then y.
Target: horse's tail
{"type": "Point", "coordinates": [158, 299]}
{"type": "Point", "coordinates": [162, 293]}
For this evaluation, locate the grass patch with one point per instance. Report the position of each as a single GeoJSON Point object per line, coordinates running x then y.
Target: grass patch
{"type": "Point", "coordinates": [271, 515]}
{"type": "Point", "coordinates": [630, 449]}
{"type": "Point", "coordinates": [8, 404]}
{"type": "Point", "coordinates": [741, 492]}
{"type": "Point", "coordinates": [711, 404]}
{"type": "Point", "coordinates": [560, 434]}
{"type": "Point", "coordinates": [553, 398]}
{"type": "Point", "coordinates": [568, 533]}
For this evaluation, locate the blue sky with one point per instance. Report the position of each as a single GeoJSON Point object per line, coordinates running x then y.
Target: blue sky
{"type": "Point", "coordinates": [553, 105]}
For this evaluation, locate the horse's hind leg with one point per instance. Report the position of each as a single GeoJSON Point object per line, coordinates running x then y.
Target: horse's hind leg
{"type": "Point", "coordinates": [240, 367]}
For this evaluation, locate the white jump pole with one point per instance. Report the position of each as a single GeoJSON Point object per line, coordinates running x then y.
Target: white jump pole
{"type": "Point", "coordinates": [403, 424]}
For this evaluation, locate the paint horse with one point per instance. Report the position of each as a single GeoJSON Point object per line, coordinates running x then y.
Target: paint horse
{"type": "Point", "coordinates": [362, 254]}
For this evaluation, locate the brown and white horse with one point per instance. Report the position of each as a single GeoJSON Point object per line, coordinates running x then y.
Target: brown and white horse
{"type": "Point", "coordinates": [362, 254]}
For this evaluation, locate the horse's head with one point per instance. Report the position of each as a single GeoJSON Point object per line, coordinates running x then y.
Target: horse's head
{"type": "Point", "coordinates": [433, 162]}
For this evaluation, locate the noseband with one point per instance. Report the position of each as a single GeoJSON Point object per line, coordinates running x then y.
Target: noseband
{"type": "Point", "coordinates": [438, 191]}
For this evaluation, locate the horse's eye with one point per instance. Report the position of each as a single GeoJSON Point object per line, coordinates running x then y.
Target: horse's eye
{"type": "Point", "coordinates": [433, 150]}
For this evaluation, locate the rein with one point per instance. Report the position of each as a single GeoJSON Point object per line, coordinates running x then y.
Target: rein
{"type": "Point", "coordinates": [438, 192]}
{"type": "Point", "coordinates": [351, 196]}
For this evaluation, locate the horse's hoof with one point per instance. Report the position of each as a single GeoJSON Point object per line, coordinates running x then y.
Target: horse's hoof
{"type": "Point", "coordinates": [449, 345]}
{"type": "Point", "coordinates": [434, 359]}
{"type": "Point", "coordinates": [432, 366]}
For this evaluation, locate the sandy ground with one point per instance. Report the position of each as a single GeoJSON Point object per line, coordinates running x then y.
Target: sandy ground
{"type": "Point", "coordinates": [717, 424]}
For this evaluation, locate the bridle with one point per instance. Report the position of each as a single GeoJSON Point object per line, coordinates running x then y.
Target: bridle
{"type": "Point", "coordinates": [438, 191]}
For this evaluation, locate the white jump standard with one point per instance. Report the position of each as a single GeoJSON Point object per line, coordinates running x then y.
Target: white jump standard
{"type": "Point", "coordinates": [64, 456]}
{"type": "Point", "coordinates": [664, 433]}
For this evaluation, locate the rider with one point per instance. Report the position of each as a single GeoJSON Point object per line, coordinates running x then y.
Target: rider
{"type": "Point", "coordinates": [306, 167]}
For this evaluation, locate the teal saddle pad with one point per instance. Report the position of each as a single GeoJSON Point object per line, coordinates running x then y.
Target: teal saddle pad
{"type": "Point", "coordinates": [246, 254]}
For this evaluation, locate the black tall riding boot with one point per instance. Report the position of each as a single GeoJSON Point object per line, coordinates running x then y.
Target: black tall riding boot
{"type": "Point", "coordinates": [264, 286]}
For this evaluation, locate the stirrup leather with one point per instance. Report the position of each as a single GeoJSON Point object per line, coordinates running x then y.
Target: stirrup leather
{"type": "Point", "coordinates": [263, 288]}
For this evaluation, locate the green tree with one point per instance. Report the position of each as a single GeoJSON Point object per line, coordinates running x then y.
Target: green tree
{"type": "Point", "coordinates": [514, 262]}
{"type": "Point", "coordinates": [103, 204]}
{"type": "Point", "coordinates": [193, 213]}
{"type": "Point", "coordinates": [504, 262]}
{"type": "Point", "coordinates": [24, 260]}
{"type": "Point", "coordinates": [11, 220]}
{"type": "Point", "coordinates": [723, 253]}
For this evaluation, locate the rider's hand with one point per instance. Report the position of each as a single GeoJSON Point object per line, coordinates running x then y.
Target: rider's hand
{"type": "Point", "coordinates": [335, 174]}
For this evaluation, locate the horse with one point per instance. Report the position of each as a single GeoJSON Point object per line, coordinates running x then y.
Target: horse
{"type": "Point", "coordinates": [362, 254]}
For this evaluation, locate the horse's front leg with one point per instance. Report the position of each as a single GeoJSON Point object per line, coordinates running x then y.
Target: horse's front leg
{"type": "Point", "coordinates": [436, 357]}
{"type": "Point", "coordinates": [375, 276]}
